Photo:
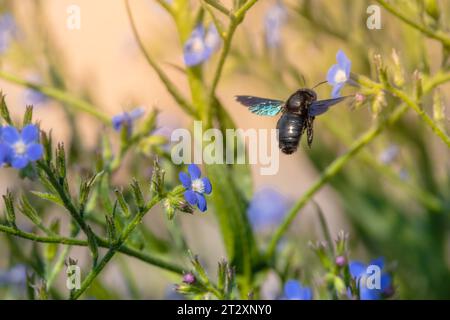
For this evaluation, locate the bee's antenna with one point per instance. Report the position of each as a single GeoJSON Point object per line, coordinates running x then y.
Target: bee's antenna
{"type": "Point", "coordinates": [319, 84]}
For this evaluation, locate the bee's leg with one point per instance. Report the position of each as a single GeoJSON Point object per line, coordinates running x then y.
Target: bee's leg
{"type": "Point", "coordinates": [310, 130]}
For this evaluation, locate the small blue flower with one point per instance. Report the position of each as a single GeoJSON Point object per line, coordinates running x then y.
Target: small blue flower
{"type": "Point", "coordinates": [195, 186]}
{"type": "Point", "coordinates": [7, 31]}
{"type": "Point", "coordinates": [293, 290]}
{"type": "Point", "coordinates": [273, 21]}
{"type": "Point", "coordinates": [127, 118]}
{"type": "Point", "coordinates": [267, 208]}
{"type": "Point", "coordinates": [34, 97]}
{"type": "Point", "coordinates": [339, 74]}
{"type": "Point", "coordinates": [23, 147]}
{"type": "Point", "coordinates": [17, 275]}
{"type": "Point", "coordinates": [359, 271]}
{"type": "Point", "coordinates": [201, 45]}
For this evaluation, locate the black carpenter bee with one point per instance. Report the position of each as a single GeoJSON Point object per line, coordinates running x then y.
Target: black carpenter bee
{"type": "Point", "coordinates": [298, 114]}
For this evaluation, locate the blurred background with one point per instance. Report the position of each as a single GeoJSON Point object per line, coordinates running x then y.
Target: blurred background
{"type": "Point", "coordinates": [393, 198]}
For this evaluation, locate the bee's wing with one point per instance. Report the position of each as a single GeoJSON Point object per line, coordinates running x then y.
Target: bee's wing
{"type": "Point", "coordinates": [261, 106]}
{"type": "Point", "coordinates": [322, 106]}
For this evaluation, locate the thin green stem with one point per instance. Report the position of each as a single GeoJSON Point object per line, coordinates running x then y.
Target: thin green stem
{"type": "Point", "coordinates": [425, 117]}
{"type": "Point", "coordinates": [218, 6]}
{"type": "Point", "coordinates": [184, 104]}
{"type": "Point", "coordinates": [60, 95]}
{"type": "Point", "coordinates": [236, 20]}
{"type": "Point", "coordinates": [435, 34]}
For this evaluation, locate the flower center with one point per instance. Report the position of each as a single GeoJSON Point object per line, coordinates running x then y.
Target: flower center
{"type": "Point", "coordinates": [20, 148]}
{"type": "Point", "coordinates": [198, 186]}
{"type": "Point", "coordinates": [198, 45]}
{"type": "Point", "coordinates": [340, 76]}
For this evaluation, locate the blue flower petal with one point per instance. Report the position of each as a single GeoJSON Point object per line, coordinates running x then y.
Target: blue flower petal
{"type": "Point", "coordinates": [136, 113]}
{"type": "Point", "coordinates": [369, 294]}
{"type": "Point", "coordinates": [212, 38]}
{"type": "Point", "coordinates": [190, 197]}
{"type": "Point", "coordinates": [342, 59]}
{"type": "Point", "coordinates": [207, 184]}
{"type": "Point", "coordinates": [10, 135]}
{"type": "Point", "coordinates": [35, 151]}
{"type": "Point", "coordinates": [117, 121]}
{"type": "Point", "coordinates": [357, 269]}
{"type": "Point", "coordinates": [378, 262]}
{"type": "Point", "coordinates": [336, 92]}
{"type": "Point", "coordinates": [4, 150]}
{"type": "Point", "coordinates": [386, 281]}
{"type": "Point", "coordinates": [332, 73]}
{"type": "Point", "coordinates": [292, 289]}
{"type": "Point", "coordinates": [30, 133]}
{"type": "Point", "coordinates": [19, 162]}
{"type": "Point", "coordinates": [194, 171]}
{"type": "Point", "coordinates": [201, 202]}
{"type": "Point", "coordinates": [185, 180]}
{"type": "Point", "coordinates": [195, 50]}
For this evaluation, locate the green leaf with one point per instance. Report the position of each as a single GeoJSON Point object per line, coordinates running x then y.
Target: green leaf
{"type": "Point", "coordinates": [28, 117]}
{"type": "Point", "coordinates": [49, 197]}
{"type": "Point", "coordinates": [230, 207]}
{"type": "Point", "coordinates": [4, 112]}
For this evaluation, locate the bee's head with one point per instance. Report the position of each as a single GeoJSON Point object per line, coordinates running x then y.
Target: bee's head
{"type": "Point", "coordinates": [301, 100]}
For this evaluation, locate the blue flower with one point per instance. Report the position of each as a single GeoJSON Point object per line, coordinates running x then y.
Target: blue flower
{"type": "Point", "coordinates": [7, 31]}
{"type": "Point", "coordinates": [339, 74]}
{"type": "Point", "coordinates": [201, 45]}
{"type": "Point", "coordinates": [34, 97]}
{"type": "Point", "coordinates": [273, 21]}
{"type": "Point", "coordinates": [127, 119]}
{"type": "Point", "coordinates": [195, 186]}
{"type": "Point", "coordinates": [360, 272]}
{"type": "Point", "coordinates": [17, 275]}
{"type": "Point", "coordinates": [22, 147]}
{"type": "Point", "coordinates": [293, 290]}
{"type": "Point", "coordinates": [267, 208]}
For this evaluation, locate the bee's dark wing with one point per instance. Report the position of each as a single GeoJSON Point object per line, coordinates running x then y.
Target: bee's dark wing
{"type": "Point", "coordinates": [261, 106]}
{"type": "Point", "coordinates": [321, 106]}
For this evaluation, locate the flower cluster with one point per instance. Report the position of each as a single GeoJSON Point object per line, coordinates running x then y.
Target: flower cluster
{"type": "Point", "coordinates": [18, 149]}
{"type": "Point", "coordinates": [196, 187]}
{"type": "Point", "coordinates": [201, 45]}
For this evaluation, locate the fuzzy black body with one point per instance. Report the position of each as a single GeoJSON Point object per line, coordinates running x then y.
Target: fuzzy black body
{"type": "Point", "coordinates": [295, 120]}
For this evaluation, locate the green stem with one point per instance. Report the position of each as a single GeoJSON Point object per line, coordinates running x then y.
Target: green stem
{"type": "Point", "coordinates": [218, 6]}
{"type": "Point", "coordinates": [236, 20]}
{"type": "Point", "coordinates": [435, 34]}
{"type": "Point", "coordinates": [410, 103]}
{"type": "Point", "coordinates": [184, 104]}
{"type": "Point", "coordinates": [59, 95]}
{"type": "Point", "coordinates": [145, 257]}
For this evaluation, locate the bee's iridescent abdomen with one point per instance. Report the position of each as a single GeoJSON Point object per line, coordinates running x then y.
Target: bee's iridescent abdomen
{"type": "Point", "coordinates": [290, 129]}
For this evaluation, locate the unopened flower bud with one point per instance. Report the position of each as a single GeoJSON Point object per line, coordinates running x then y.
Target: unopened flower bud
{"type": "Point", "coordinates": [189, 278]}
